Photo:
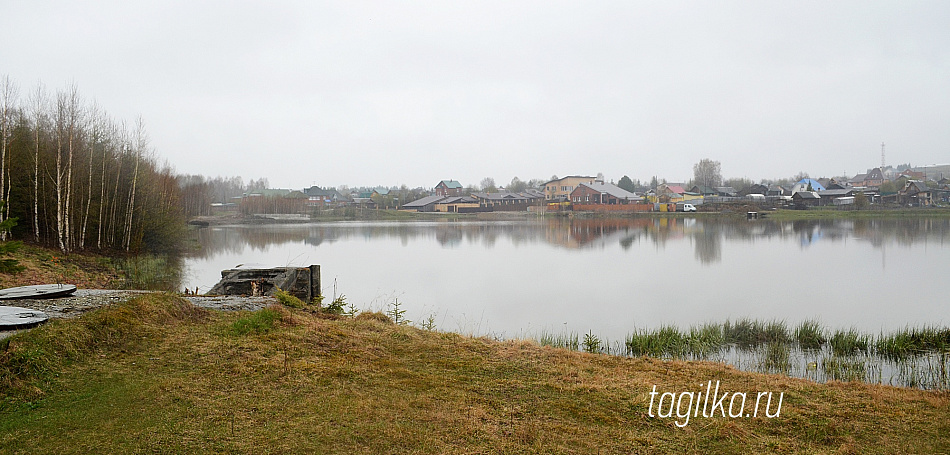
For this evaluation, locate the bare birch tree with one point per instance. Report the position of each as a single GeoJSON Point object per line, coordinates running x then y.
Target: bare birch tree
{"type": "Point", "coordinates": [39, 104]}
{"type": "Point", "coordinates": [139, 149]}
{"type": "Point", "coordinates": [95, 135]}
{"type": "Point", "coordinates": [8, 99]}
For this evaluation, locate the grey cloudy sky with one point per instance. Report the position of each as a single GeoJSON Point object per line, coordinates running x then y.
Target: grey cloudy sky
{"type": "Point", "coordinates": [386, 93]}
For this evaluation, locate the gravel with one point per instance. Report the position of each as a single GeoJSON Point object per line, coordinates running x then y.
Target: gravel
{"type": "Point", "coordinates": [89, 299]}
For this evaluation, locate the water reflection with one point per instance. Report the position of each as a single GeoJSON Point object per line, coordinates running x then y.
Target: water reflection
{"type": "Point", "coordinates": [610, 276]}
{"type": "Point", "coordinates": [707, 236]}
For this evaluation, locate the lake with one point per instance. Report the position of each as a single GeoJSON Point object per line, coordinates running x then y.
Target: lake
{"type": "Point", "coordinates": [522, 277]}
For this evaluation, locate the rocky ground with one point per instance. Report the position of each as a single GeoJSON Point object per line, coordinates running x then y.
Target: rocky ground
{"type": "Point", "coordinates": [89, 299]}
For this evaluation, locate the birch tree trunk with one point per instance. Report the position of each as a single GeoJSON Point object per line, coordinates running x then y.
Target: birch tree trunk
{"type": "Point", "coordinates": [96, 131]}
{"type": "Point", "coordinates": [8, 94]}
{"type": "Point", "coordinates": [141, 143]}
{"type": "Point", "coordinates": [60, 133]}
{"type": "Point", "coordinates": [74, 126]}
{"type": "Point", "coordinates": [38, 107]}
{"type": "Point", "coordinates": [102, 198]}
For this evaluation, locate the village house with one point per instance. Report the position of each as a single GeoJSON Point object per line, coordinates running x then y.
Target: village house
{"type": "Point", "coordinates": [703, 190]}
{"type": "Point", "coordinates": [560, 189]}
{"type": "Point", "coordinates": [858, 180]}
{"type": "Point", "coordinates": [425, 204]}
{"type": "Point", "coordinates": [803, 199]}
{"type": "Point", "coordinates": [915, 193]}
{"type": "Point", "coordinates": [448, 188]}
{"type": "Point", "coordinates": [755, 189]}
{"type": "Point", "coordinates": [726, 191]}
{"type": "Point", "coordinates": [319, 197]}
{"type": "Point", "coordinates": [807, 184]}
{"type": "Point", "coordinates": [603, 193]}
{"type": "Point", "coordinates": [837, 185]}
{"type": "Point", "coordinates": [458, 204]}
{"type": "Point", "coordinates": [776, 190]}
{"type": "Point", "coordinates": [669, 192]}
{"type": "Point", "coordinates": [507, 202]}
{"type": "Point", "coordinates": [874, 178]}
{"type": "Point", "coordinates": [830, 196]}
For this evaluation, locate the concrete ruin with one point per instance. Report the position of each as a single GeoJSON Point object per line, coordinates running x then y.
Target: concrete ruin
{"type": "Point", "coordinates": [301, 282]}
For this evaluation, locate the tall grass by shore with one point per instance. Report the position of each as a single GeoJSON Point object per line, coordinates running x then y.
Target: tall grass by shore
{"type": "Point", "coordinates": [913, 357]}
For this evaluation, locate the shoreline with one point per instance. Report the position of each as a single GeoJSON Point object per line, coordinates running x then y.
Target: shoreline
{"type": "Point", "coordinates": [780, 214]}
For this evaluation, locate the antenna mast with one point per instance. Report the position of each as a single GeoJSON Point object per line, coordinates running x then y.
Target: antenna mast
{"type": "Point", "coordinates": [882, 157]}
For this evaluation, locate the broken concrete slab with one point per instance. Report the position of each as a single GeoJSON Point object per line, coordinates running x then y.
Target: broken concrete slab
{"type": "Point", "coordinates": [301, 282]}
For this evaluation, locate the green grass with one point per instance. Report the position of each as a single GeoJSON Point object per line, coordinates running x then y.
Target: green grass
{"type": "Point", "coordinates": [874, 212]}
{"type": "Point", "coordinates": [566, 340]}
{"type": "Point", "coordinates": [844, 369]}
{"type": "Point", "coordinates": [810, 335]}
{"type": "Point", "coordinates": [776, 358]}
{"type": "Point", "coordinates": [913, 341]}
{"type": "Point", "coordinates": [259, 322]}
{"type": "Point", "coordinates": [174, 379]}
{"type": "Point", "coordinates": [849, 342]}
{"type": "Point", "coordinates": [913, 357]}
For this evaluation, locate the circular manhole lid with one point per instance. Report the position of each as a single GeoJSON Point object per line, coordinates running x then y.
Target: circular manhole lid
{"type": "Point", "coordinates": [12, 317]}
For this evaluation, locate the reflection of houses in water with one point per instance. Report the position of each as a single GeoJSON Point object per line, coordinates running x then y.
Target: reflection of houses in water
{"type": "Point", "coordinates": [709, 236]}
{"type": "Point", "coordinates": [811, 231]}
{"type": "Point", "coordinates": [587, 233]}
{"type": "Point", "coordinates": [449, 237]}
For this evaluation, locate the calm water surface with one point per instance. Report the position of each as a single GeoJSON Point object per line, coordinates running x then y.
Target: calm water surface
{"type": "Point", "coordinates": [519, 278]}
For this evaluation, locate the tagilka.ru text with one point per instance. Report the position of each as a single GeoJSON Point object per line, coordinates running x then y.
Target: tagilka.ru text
{"type": "Point", "coordinates": [685, 405]}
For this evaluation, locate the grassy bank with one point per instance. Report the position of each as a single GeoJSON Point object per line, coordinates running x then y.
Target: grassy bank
{"type": "Point", "coordinates": [834, 212]}
{"type": "Point", "coordinates": [155, 374]}
{"type": "Point", "coordinates": [47, 265]}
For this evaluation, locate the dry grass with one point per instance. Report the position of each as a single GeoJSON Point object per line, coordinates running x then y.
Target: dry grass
{"type": "Point", "coordinates": [184, 382]}
{"type": "Point", "coordinates": [45, 266]}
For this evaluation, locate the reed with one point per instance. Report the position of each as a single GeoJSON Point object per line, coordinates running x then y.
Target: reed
{"type": "Point", "coordinates": [775, 358]}
{"type": "Point", "coordinates": [565, 340]}
{"type": "Point", "coordinates": [810, 335]}
{"type": "Point", "coordinates": [743, 333]}
{"type": "Point", "coordinates": [705, 340]}
{"type": "Point", "coordinates": [912, 342]}
{"type": "Point", "coordinates": [849, 342]}
{"type": "Point", "coordinates": [667, 341]}
{"type": "Point", "coordinates": [844, 369]}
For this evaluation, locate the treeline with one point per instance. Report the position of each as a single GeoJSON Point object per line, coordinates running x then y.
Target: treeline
{"type": "Point", "coordinates": [199, 192]}
{"type": "Point", "coordinates": [76, 179]}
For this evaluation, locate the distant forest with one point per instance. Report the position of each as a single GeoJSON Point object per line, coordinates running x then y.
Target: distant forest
{"type": "Point", "coordinates": [77, 179]}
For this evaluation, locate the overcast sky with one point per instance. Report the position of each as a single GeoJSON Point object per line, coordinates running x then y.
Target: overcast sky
{"type": "Point", "coordinates": [390, 93]}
